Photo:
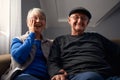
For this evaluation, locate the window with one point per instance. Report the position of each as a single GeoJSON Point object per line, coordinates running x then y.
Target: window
{"type": "Point", "coordinates": [10, 23]}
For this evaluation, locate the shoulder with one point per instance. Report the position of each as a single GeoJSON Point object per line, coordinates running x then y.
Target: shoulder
{"type": "Point", "coordinates": [16, 40]}
{"type": "Point", "coordinates": [99, 37]}
{"type": "Point", "coordinates": [22, 37]}
{"type": "Point", "coordinates": [94, 34]}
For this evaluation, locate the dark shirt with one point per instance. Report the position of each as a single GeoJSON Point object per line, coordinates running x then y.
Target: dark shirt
{"type": "Point", "coordinates": [86, 52]}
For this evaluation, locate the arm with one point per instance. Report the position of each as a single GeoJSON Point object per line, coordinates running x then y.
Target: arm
{"type": "Point", "coordinates": [110, 48]}
{"type": "Point", "coordinates": [112, 52]}
{"type": "Point", "coordinates": [54, 62]}
{"type": "Point", "coordinates": [20, 50]}
{"type": "Point", "coordinates": [113, 56]}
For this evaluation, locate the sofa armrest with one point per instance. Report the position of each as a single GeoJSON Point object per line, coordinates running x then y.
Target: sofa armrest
{"type": "Point", "coordinates": [4, 62]}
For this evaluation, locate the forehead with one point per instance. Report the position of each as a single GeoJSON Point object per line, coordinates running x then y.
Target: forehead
{"type": "Point", "coordinates": [78, 14]}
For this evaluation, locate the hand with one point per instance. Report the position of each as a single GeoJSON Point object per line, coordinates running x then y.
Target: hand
{"type": "Point", "coordinates": [31, 24]}
{"type": "Point", "coordinates": [62, 74]}
{"type": "Point", "coordinates": [59, 77]}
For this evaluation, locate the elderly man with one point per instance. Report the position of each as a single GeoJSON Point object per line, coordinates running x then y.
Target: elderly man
{"type": "Point", "coordinates": [81, 55]}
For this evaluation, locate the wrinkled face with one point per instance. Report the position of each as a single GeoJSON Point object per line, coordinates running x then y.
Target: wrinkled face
{"type": "Point", "coordinates": [78, 23]}
{"type": "Point", "coordinates": [37, 20]}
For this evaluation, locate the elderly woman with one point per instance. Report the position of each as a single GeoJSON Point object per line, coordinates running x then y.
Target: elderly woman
{"type": "Point", "coordinates": [29, 51]}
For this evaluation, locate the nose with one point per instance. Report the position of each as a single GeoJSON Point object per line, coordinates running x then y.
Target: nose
{"type": "Point", "coordinates": [38, 20]}
{"type": "Point", "coordinates": [79, 19]}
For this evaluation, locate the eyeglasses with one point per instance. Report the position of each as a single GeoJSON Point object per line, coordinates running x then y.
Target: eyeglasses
{"type": "Point", "coordinates": [37, 17]}
{"type": "Point", "coordinates": [76, 17]}
{"type": "Point", "coordinates": [40, 18]}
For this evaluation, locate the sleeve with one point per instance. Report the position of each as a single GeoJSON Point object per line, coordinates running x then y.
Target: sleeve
{"type": "Point", "coordinates": [20, 50]}
{"type": "Point", "coordinates": [112, 52]}
{"type": "Point", "coordinates": [54, 59]}
{"type": "Point", "coordinates": [111, 49]}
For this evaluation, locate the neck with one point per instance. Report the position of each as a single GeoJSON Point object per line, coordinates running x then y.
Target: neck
{"type": "Point", "coordinates": [39, 37]}
{"type": "Point", "coordinates": [77, 33]}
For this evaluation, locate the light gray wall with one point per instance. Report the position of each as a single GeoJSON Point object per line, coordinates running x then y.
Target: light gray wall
{"type": "Point", "coordinates": [110, 27]}
{"type": "Point", "coordinates": [26, 5]}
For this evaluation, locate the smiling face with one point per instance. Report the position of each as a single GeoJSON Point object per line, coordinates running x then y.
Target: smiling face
{"type": "Point", "coordinates": [36, 20]}
{"type": "Point", "coordinates": [78, 23]}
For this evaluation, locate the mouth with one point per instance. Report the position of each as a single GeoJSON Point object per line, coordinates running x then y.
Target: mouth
{"type": "Point", "coordinates": [38, 25]}
{"type": "Point", "coordinates": [80, 24]}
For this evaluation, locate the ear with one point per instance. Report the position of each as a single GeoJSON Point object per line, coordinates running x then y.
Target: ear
{"type": "Point", "coordinates": [88, 22]}
{"type": "Point", "coordinates": [68, 20]}
{"type": "Point", "coordinates": [27, 22]}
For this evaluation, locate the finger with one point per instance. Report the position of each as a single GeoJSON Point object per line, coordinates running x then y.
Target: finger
{"type": "Point", "coordinates": [32, 22]}
{"type": "Point", "coordinates": [57, 77]}
{"type": "Point", "coordinates": [62, 77]}
{"type": "Point", "coordinates": [53, 78]}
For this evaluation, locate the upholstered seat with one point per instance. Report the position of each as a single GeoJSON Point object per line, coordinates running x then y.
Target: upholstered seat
{"type": "Point", "coordinates": [5, 62]}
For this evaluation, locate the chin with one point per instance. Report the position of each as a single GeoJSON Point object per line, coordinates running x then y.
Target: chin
{"type": "Point", "coordinates": [39, 30]}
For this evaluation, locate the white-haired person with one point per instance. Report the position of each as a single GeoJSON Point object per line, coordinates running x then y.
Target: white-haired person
{"type": "Point", "coordinates": [29, 52]}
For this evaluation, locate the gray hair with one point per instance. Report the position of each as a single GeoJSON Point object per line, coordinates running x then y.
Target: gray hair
{"type": "Point", "coordinates": [37, 10]}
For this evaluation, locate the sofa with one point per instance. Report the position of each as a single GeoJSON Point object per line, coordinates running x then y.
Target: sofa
{"type": "Point", "coordinates": [5, 62]}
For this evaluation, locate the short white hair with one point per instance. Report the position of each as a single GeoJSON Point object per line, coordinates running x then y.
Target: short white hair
{"type": "Point", "coordinates": [37, 10]}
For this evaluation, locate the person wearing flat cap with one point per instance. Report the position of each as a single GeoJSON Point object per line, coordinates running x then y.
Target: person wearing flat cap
{"type": "Point", "coordinates": [82, 55]}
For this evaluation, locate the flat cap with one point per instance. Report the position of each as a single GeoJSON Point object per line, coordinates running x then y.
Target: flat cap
{"type": "Point", "coordinates": [81, 10]}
